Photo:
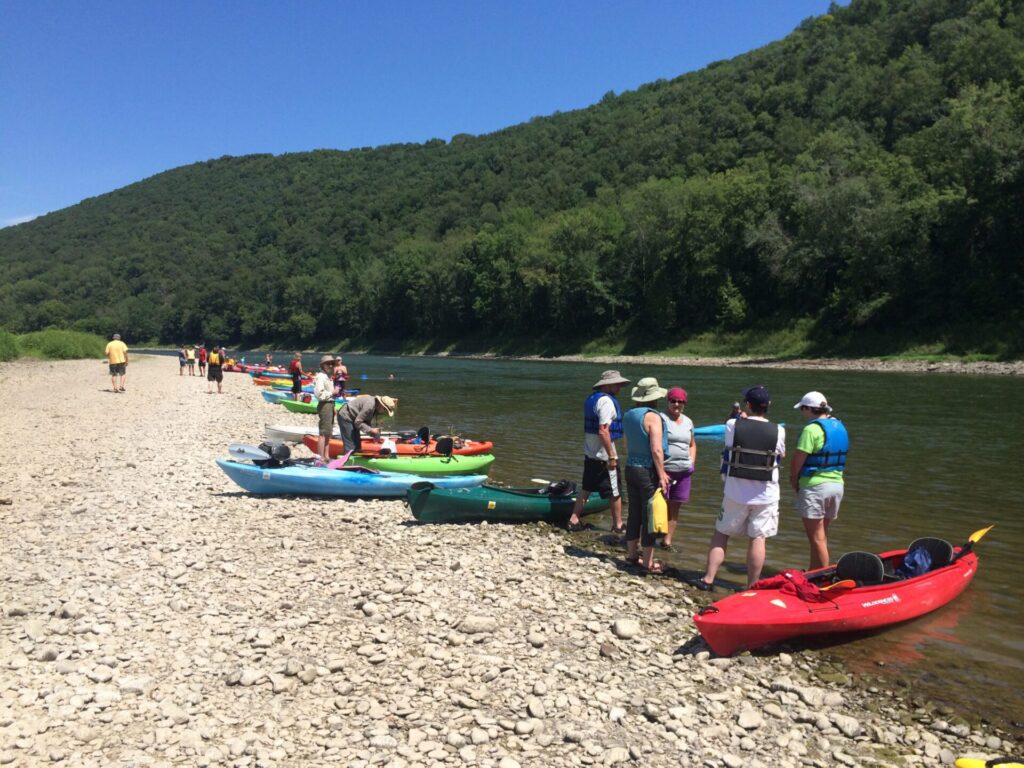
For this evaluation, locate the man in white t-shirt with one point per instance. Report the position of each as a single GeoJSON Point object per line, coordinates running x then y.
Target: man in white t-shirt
{"type": "Point", "coordinates": [754, 447]}
{"type": "Point", "coordinates": [602, 426]}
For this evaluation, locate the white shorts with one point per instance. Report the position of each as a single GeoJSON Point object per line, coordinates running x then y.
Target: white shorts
{"type": "Point", "coordinates": [820, 502]}
{"type": "Point", "coordinates": [758, 521]}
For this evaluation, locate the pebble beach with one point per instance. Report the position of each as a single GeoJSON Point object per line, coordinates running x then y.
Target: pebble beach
{"type": "Point", "coordinates": [153, 614]}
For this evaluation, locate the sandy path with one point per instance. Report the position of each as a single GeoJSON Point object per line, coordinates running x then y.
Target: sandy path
{"type": "Point", "coordinates": [151, 614]}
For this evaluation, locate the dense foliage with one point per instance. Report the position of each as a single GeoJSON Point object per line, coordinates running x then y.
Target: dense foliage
{"type": "Point", "coordinates": [55, 344]}
{"type": "Point", "coordinates": [8, 346]}
{"type": "Point", "coordinates": [864, 174]}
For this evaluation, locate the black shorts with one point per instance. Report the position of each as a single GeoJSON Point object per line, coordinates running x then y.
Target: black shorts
{"type": "Point", "coordinates": [117, 369]}
{"type": "Point", "coordinates": [215, 374]}
{"type": "Point", "coordinates": [598, 477]}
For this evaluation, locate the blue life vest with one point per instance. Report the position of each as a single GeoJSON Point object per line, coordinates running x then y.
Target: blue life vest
{"type": "Point", "coordinates": [638, 441]}
{"type": "Point", "coordinates": [832, 456]}
{"type": "Point", "coordinates": [590, 423]}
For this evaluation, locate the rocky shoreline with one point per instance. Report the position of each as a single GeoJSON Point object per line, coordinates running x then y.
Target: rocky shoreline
{"type": "Point", "coordinates": [980, 368]}
{"type": "Point", "coordinates": [153, 614]}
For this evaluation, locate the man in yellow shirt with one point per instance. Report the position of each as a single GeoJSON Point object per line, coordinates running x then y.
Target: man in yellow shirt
{"type": "Point", "coordinates": [117, 359]}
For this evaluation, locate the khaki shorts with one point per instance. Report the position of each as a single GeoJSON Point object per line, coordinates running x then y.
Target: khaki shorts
{"type": "Point", "coordinates": [820, 502]}
{"type": "Point", "coordinates": [758, 521]}
{"type": "Point", "coordinates": [325, 415]}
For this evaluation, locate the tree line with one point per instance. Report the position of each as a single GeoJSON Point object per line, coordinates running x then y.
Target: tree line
{"type": "Point", "coordinates": [863, 174]}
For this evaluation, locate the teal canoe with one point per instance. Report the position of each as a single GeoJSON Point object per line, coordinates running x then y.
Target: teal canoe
{"type": "Point", "coordinates": [427, 465]}
{"type": "Point", "coordinates": [491, 503]}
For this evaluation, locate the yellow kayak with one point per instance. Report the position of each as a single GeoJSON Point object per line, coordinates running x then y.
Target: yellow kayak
{"type": "Point", "coordinates": [994, 762]}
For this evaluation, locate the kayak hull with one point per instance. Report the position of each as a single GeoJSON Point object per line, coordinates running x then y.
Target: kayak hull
{"type": "Point", "coordinates": [755, 618]}
{"type": "Point", "coordinates": [306, 480]}
{"type": "Point", "coordinates": [301, 406]}
{"type": "Point", "coordinates": [489, 503]}
{"type": "Point", "coordinates": [428, 466]}
{"type": "Point", "coordinates": [367, 446]}
{"type": "Point", "coordinates": [276, 397]}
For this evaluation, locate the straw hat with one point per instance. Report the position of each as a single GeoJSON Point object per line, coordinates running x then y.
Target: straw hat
{"type": "Point", "coordinates": [387, 403]}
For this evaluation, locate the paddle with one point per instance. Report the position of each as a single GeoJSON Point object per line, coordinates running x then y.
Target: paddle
{"type": "Point", "coordinates": [844, 584]}
{"type": "Point", "coordinates": [973, 539]}
{"type": "Point", "coordinates": [250, 452]}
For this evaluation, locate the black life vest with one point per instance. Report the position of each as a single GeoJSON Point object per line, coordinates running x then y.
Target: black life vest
{"type": "Point", "coordinates": [753, 455]}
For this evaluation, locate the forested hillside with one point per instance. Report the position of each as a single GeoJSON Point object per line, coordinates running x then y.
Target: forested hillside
{"type": "Point", "coordinates": [864, 174]}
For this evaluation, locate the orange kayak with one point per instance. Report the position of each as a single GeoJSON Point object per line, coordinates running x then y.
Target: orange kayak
{"type": "Point", "coordinates": [372, 447]}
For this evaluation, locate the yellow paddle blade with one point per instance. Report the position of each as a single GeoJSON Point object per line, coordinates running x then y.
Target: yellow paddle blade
{"type": "Point", "coordinates": [976, 536]}
{"type": "Point", "coordinates": [844, 584]}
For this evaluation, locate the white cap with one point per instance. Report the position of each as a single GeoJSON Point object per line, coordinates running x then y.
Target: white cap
{"type": "Point", "coordinates": [813, 400]}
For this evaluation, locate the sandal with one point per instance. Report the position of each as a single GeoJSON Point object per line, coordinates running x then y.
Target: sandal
{"type": "Point", "coordinates": [666, 547]}
{"type": "Point", "coordinates": [621, 528]}
{"type": "Point", "coordinates": [633, 559]}
{"type": "Point", "coordinates": [655, 569]}
{"type": "Point", "coordinates": [576, 527]}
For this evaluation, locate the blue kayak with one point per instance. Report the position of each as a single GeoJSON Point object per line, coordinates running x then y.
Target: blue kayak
{"type": "Point", "coordinates": [275, 396]}
{"type": "Point", "coordinates": [307, 480]}
{"type": "Point", "coordinates": [716, 430]}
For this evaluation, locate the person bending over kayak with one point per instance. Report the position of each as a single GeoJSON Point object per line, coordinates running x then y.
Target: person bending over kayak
{"type": "Point", "coordinates": [354, 418]}
{"type": "Point", "coordinates": [602, 426]}
{"type": "Point", "coordinates": [816, 473]}
{"type": "Point", "coordinates": [754, 447]}
{"type": "Point", "coordinates": [646, 445]}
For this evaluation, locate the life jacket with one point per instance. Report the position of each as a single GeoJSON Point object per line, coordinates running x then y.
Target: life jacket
{"type": "Point", "coordinates": [295, 368]}
{"type": "Point", "coordinates": [832, 455]}
{"type": "Point", "coordinates": [753, 455]}
{"type": "Point", "coordinates": [638, 439]}
{"type": "Point", "coordinates": [590, 423]}
{"type": "Point", "coordinates": [213, 358]}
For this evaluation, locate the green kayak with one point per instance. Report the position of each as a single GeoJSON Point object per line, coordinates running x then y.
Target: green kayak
{"type": "Point", "coordinates": [427, 465]}
{"type": "Point", "coordinates": [493, 504]}
{"type": "Point", "coordinates": [299, 406]}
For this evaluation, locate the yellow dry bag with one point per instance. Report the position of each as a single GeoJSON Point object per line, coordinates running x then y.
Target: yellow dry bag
{"type": "Point", "coordinates": [657, 513]}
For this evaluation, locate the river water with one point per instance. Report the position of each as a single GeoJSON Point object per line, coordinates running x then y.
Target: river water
{"type": "Point", "coordinates": [931, 455]}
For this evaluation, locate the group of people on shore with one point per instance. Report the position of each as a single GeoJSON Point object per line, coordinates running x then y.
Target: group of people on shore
{"type": "Point", "coordinates": [211, 364]}
{"type": "Point", "coordinates": [661, 455]}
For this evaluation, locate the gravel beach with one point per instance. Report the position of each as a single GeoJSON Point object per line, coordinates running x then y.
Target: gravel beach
{"type": "Point", "coordinates": [152, 614]}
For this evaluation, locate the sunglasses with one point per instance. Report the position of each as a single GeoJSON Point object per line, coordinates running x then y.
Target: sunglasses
{"type": "Point", "coordinates": [677, 402]}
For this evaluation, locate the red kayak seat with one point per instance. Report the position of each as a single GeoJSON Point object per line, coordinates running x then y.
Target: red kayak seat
{"type": "Point", "coordinates": [866, 568]}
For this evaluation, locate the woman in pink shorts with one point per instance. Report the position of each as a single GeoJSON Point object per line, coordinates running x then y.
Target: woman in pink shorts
{"type": "Point", "coordinates": [680, 460]}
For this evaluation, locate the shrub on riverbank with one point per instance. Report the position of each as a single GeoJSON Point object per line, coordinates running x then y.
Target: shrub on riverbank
{"type": "Point", "coordinates": [8, 346]}
{"type": "Point", "coordinates": [53, 344]}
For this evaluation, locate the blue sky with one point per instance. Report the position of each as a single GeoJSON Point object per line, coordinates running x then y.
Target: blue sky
{"type": "Point", "coordinates": [97, 95]}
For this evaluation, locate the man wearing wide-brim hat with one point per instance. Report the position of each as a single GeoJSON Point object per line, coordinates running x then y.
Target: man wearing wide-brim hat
{"type": "Point", "coordinates": [323, 391]}
{"type": "Point", "coordinates": [602, 426]}
{"type": "Point", "coordinates": [647, 444]}
{"type": "Point", "coordinates": [356, 416]}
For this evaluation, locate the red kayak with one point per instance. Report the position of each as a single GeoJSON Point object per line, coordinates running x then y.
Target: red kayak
{"type": "Point", "coordinates": [834, 600]}
{"type": "Point", "coordinates": [372, 447]}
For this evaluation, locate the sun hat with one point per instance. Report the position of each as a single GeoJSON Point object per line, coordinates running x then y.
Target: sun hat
{"type": "Point", "coordinates": [757, 395]}
{"type": "Point", "coordinates": [327, 359]}
{"type": "Point", "coordinates": [812, 400]}
{"type": "Point", "coordinates": [387, 403]}
{"type": "Point", "coordinates": [647, 390]}
{"type": "Point", "coordinates": [610, 377]}
{"type": "Point", "coordinates": [677, 393]}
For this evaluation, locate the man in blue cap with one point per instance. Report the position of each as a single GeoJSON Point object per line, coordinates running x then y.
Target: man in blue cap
{"type": "Point", "coordinates": [754, 447]}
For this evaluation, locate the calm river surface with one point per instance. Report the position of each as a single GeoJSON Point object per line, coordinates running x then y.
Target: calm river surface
{"type": "Point", "coordinates": [932, 455]}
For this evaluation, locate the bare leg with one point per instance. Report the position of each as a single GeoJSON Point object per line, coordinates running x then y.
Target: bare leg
{"type": "Point", "coordinates": [648, 557]}
{"type": "Point", "coordinates": [755, 559]}
{"type": "Point", "coordinates": [817, 537]}
{"type": "Point", "coordinates": [616, 509]}
{"type": "Point", "coordinates": [577, 508]}
{"type": "Point", "coordinates": [673, 518]}
{"type": "Point", "coordinates": [321, 448]}
{"type": "Point", "coordinates": [716, 555]}
{"type": "Point", "coordinates": [113, 382]}
{"type": "Point", "coordinates": [123, 377]}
